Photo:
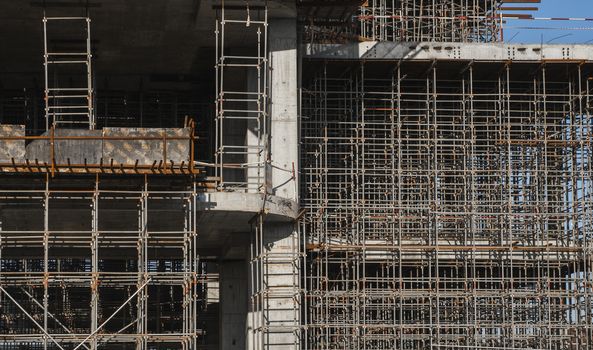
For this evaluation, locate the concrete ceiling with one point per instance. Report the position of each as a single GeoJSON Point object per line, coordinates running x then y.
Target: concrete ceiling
{"type": "Point", "coordinates": [133, 41]}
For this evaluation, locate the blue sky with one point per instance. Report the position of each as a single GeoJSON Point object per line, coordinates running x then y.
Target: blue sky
{"type": "Point", "coordinates": [523, 31]}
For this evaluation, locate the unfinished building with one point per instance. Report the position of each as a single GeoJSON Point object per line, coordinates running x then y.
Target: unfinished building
{"type": "Point", "coordinates": [281, 174]}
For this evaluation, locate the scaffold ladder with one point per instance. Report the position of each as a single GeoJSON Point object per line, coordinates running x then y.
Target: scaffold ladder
{"type": "Point", "coordinates": [241, 161]}
{"type": "Point", "coordinates": [68, 105]}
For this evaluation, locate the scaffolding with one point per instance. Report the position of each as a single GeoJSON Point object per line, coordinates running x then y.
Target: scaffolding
{"type": "Point", "coordinates": [275, 289]}
{"type": "Point", "coordinates": [68, 73]}
{"type": "Point", "coordinates": [242, 98]}
{"type": "Point", "coordinates": [435, 20]}
{"type": "Point", "coordinates": [449, 205]}
{"type": "Point", "coordinates": [458, 21]}
{"type": "Point", "coordinates": [86, 282]}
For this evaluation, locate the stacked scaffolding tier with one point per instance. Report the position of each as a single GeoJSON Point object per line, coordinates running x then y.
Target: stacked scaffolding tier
{"type": "Point", "coordinates": [449, 205]}
{"type": "Point", "coordinates": [100, 261]}
{"type": "Point", "coordinates": [416, 20]}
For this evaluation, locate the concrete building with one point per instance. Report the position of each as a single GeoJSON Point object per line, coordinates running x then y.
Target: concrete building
{"type": "Point", "coordinates": [292, 174]}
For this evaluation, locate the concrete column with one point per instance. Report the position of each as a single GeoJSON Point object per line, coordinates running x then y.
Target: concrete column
{"type": "Point", "coordinates": [277, 322]}
{"type": "Point", "coordinates": [282, 40]}
{"type": "Point", "coordinates": [233, 304]}
{"type": "Point", "coordinates": [280, 273]}
{"type": "Point", "coordinates": [213, 309]}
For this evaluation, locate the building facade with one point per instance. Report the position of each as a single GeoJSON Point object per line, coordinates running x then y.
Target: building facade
{"type": "Point", "coordinates": [293, 175]}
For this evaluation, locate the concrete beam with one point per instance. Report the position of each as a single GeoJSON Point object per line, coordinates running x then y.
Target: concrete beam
{"type": "Point", "coordinates": [373, 50]}
{"type": "Point", "coordinates": [277, 208]}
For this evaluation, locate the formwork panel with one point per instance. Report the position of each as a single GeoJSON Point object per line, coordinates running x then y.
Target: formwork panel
{"type": "Point", "coordinates": [146, 151]}
{"type": "Point", "coordinates": [12, 149]}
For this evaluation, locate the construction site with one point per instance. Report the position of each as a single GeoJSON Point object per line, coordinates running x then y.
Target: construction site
{"type": "Point", "coordinates": [294, 174]}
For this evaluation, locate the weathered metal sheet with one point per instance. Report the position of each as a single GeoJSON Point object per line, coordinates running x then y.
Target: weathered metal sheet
{"type": "Point", "coordinates": [12, 149]}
